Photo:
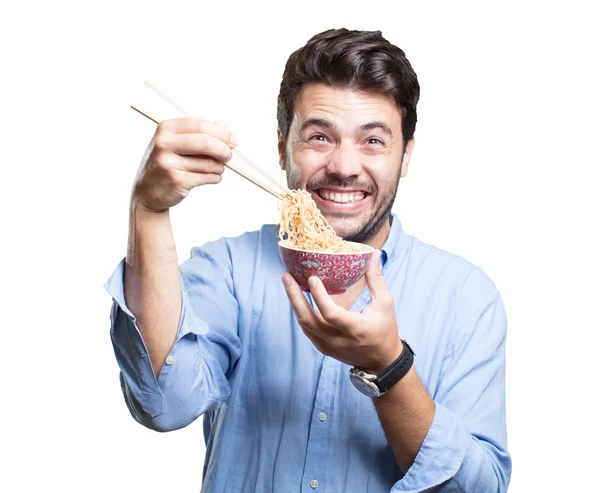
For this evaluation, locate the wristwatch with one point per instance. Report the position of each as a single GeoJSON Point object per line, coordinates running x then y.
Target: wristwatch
{"type": "Point", "coordinates": [377, 385]}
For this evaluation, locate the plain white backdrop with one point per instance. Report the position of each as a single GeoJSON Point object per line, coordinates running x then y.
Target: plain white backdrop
{"type": "Point", "coordinates": [504, 173]}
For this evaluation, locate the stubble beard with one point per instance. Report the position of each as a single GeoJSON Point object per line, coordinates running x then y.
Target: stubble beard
{"type": "Point", "coordinates": [371, 221]}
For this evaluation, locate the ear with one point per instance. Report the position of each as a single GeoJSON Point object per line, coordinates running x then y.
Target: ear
{"type": "Point", "coordinates": [281, 149]}
{"type": "Point", "coordinates": [408, 149]}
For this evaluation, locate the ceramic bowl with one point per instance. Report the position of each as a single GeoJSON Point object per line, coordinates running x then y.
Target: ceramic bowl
{"type": "Point", "coordinates": [337, 271]}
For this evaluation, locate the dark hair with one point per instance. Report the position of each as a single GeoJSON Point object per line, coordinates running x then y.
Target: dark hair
{"type": "Point", "coordinates": [361, 60]}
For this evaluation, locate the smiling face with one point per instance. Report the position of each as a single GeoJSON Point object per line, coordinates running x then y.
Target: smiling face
{"type": "Point", "coordinates": [345, 147]}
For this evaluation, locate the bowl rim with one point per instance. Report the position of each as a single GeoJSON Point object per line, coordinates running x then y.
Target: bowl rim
{"type": "Point", "coordinates": [370, 249]}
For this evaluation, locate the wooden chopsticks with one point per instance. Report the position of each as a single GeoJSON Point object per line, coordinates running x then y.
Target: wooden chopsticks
{"type": "Point", "coordinates": [144, 114]}
{"type": "Point", "coordinates": [278, 191]}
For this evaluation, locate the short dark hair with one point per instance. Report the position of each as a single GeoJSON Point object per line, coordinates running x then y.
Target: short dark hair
{"type": "Point", "coordinates": [361, 60]}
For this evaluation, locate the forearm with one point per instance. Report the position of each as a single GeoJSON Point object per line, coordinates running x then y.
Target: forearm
{"type": "Point", "coordinates": [205, 351]}
{"type": "Point", "coordinates": [406, 412]}
{"type": "Point", "coordinates": [423, 443]}
{"type": "Point", "coordinates": [452, 459]}
{"type": "Point", "coordinates": [152, 281]}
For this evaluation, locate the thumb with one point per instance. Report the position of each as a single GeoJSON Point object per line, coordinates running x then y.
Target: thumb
{"type": "Point", "coordinates": [374, 278]}
{"type": "Point", "coordinates": [233, 139]}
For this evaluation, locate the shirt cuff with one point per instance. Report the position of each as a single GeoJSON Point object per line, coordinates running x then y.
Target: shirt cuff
{"type": "Point", "coordinates": [440, 456]}
{"type": "Point", "coordinates": [137, 376]}
{"type": "Point", "coordinates": [116, 288]}
{"type": "Point", "coordinates": [138, 379]}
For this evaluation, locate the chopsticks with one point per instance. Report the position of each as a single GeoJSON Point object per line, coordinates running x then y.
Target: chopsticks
{"type": "Point", "coordinates": [279, 191]}
{"type": "Point", "coordinates": [144, 114]}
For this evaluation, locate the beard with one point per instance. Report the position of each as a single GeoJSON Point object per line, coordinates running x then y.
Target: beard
{"type": "Point", "coordinates": [362, 228]}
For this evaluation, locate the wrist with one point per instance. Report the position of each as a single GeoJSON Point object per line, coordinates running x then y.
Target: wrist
{"type": "Point", "coordinates": [386, 358]}
{"type": "Point", "coordinates": [147, 223]}
{"type": "Point", "coordinates": [376, 382]}
{"type": "Point", "coordinates": [138, 207]}
{"type": "Point", "coordinates": [150, 236]}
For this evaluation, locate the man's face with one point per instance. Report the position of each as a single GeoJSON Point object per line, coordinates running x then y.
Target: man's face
{"type": "Point", "coordinates": [346, 148]}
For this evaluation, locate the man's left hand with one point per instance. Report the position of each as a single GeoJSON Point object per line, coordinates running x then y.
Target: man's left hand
{"type": "Point", "coordinates": [367, 340]}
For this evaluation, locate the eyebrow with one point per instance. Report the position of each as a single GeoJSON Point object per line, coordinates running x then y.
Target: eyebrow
{"type": "Point", "coordinates": [373, 125]}
{"type": "Point", "coordinates": [321, 122]}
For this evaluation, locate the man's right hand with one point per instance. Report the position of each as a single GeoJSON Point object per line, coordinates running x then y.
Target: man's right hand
{"type": "Point", "coordinates": [184, 153]}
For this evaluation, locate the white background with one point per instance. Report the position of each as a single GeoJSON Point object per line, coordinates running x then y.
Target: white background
{"type": "Point", "coordinates": [505, 173]}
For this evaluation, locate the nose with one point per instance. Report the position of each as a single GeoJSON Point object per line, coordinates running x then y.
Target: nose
{"type": "Point", "coordinates": [344, 161]}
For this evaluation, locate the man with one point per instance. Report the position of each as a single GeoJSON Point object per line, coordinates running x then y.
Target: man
{"type": "Point", "coordinates": [230, 336]}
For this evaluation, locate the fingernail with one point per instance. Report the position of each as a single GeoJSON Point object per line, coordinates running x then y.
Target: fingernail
{"type": "Point", "coordinates": [234, 140]}
{"type": "Point", "coordinates": [312, 282]}
{"type": "Point", "coordinates": [286, 280]}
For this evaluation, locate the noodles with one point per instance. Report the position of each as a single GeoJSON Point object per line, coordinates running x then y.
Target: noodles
{"type": "Point", "coordinates": [303, 226]}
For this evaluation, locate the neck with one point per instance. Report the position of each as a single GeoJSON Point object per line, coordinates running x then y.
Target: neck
{"type": "Point", "coordinates": [379, 238]}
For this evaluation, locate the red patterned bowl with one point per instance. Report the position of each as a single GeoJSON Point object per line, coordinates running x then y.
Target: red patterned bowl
{"type": "Point", "coordinates": [337, 271]}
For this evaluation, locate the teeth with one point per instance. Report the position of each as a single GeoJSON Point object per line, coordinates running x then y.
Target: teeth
{"type": "Point", "coordinates": [342, 198]}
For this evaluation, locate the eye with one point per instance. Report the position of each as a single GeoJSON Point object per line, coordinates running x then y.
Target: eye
{"type": "Point", "coordinates": [318, 138]}
{"type": "Point", "coordinates": [374, 141]}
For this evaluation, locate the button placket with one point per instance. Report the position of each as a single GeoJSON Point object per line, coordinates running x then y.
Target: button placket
{"type": "Point", "coordinates": [320, 433]}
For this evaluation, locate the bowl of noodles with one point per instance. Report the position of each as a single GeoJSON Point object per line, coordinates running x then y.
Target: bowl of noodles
{"type": "Point", "coordinates": [309, 247]}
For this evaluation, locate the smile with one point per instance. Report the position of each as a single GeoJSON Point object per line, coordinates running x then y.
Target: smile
{"type": "Point", "coordinates": [341, 197]}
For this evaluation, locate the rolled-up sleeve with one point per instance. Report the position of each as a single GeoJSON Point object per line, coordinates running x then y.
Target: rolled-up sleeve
{"type": "Point", "coordinates": [465, 448]}
{"type": "Point", "coordinates": [194, 378]}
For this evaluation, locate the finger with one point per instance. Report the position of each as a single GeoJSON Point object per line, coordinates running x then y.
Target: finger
{"type": "Point", "coordinates": [195, 144]}
{"type": "Point", "coordinates": [190, 180]}
{"type": "Point", "coordinates": [233, 141]}
{"type": "Point", "coordinates": [331, 312]}
{"type": "Point", "coordinates": [320, 343]}
{"type": "Point", "coordinates": [198, 179]}
{"type": "Point", "coordinates": [200, 164]}
{"type": "Point", "coordinates": [190, 125]}
{"type": "Point", "coordinates": [304, 312]}
{"type": "Point", "coordinates": [322, 334]}
{"type": "Point", "coordinates": [375, 281]}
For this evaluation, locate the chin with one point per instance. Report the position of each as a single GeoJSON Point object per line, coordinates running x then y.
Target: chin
{"type": "Point", "coordinates": [346, 227]}
{"type": "Point", "coordinates": [362, 228]}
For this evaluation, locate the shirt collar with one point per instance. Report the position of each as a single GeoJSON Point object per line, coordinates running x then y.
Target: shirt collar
{"type": "Point", "coordinates": [395, 240]}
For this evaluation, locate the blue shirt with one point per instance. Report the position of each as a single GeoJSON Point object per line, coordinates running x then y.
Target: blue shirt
{"type": "Point", "coordinates": [281, 417]}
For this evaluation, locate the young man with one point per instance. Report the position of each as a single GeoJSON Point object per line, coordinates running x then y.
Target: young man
{"type": "Point", "coordinates": [286, 382]}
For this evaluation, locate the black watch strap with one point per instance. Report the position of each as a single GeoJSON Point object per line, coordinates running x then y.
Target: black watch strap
{"type": "Point", "coordinates": [393, 373]}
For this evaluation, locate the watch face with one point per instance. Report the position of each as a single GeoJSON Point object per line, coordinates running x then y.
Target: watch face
{"type": "Point", "coordinates": [366, 387]}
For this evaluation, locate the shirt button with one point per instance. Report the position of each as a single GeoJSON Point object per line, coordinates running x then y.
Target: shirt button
{"type": "Point", "coordinates": [322, 416]}
{"type": "Point", "coordinates": [169, 360]}
{"type": "Point", "coordinates": [314, 484]}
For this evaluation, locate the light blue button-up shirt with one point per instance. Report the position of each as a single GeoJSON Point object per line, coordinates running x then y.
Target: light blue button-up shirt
{"type": "Point", "coordinates": [281, 417]}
